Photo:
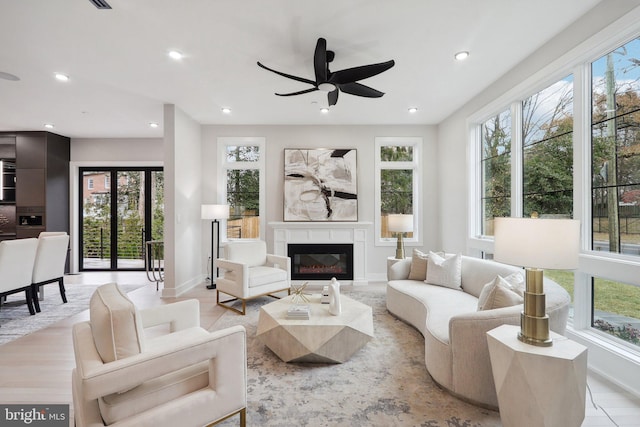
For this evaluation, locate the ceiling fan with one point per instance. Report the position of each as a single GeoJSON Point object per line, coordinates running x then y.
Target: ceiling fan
{"type": "Point", "coordinates": [334, 82]}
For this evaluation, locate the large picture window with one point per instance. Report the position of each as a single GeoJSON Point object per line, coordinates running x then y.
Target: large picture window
{"type": "Point", "coordinates": [398, 163]}
{"type": "Point", "coordinates": [241, 174]}
{"type": "Point", "coordinates": [615, 131]}
{"type": "Point", "coordinates": [547, 135]}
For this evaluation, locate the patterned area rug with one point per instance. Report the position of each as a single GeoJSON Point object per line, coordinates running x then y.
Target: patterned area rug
{"type": "Point", "coordinates": [15, 320]}
{"type": "Point", "coordinates": [383, 384]}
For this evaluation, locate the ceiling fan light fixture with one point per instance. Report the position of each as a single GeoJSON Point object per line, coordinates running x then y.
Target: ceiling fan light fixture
{"type": "Point", "coordinates": [461, 56]}
{"type": "Point", "coordinates": [324, 110]}
{"type": "Point", "coordinates": [326, 87]}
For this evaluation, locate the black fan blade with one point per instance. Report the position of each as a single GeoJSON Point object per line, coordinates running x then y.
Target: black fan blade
{"type": "Point", "coordinates": [354, 74]}
{"type": "Point", "coordinates": [289, 76]}
{"type": "Point", "coordinates": [320, 61]}
{"type": "Point", "coordinates": [359, 89]}
{"type": "Point", "coordinates": [333, 97]}
{"type": "Point", "coordinates": [313, 89]}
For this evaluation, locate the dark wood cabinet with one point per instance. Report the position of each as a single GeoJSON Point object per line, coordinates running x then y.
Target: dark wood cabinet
{"type": "Point", "coordinates": [41, 182]}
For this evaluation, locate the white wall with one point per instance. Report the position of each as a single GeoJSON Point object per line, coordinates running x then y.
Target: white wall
{"type": "Point", "coordinates": [362, 138]}
{"type": "Point", "coordinates": [183, 197]}
{"type": "Point", "coordinates": [117, 150]}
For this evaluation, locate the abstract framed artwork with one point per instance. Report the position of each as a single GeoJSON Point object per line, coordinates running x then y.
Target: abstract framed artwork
{"type": "Point", "coordinates": [320, 185]}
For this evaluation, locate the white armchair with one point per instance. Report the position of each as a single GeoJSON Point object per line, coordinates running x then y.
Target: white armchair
{"type": "Point", "coordinates": [188, 377]}
{"type": "Point", "coordinates": [248, 271]}
{"type": "Point", "coordinates": [51, 257]}
{"type": "Point", "coordinates": [16, 264]}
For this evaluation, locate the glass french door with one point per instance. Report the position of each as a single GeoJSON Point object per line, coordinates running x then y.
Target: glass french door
{"type": "Point", "coordinates": [121, 209]}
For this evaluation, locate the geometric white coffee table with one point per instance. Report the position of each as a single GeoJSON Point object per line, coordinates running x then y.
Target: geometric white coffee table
{"type": "Point", "coordinates": [538, 386]}
{"type": "Point", "coordinates": [323, 338]}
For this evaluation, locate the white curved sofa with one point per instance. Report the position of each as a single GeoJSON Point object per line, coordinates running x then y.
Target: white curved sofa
{"type": "Point", "coordinates": [456, 351]}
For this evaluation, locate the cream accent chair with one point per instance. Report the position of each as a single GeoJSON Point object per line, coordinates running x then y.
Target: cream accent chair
{"type": "Point", "coordinates": [248, 271]}
{"type": "Point", "coordinates": [16, 264]}
{"type": "Point", "coordinates": [188, 377]}
{"type": "Point", "coordinates": [49, 264]}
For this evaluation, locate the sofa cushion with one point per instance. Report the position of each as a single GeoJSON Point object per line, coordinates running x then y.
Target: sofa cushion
{"type": "Point", "coordinates": [444, 271]}
{"type": "Point", "coordinates": [418, 269]}
{"type": "Point", "coordinates": [497, 294]}
{"type": "Point", "coordinates": [115, 324]}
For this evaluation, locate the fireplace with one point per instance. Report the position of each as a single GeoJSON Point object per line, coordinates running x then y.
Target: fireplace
{"type": "Point", "coordinates": [321, 261]}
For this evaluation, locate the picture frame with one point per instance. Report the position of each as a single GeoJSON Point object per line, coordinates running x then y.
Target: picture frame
{"type": "Point", "coordinates": [320, 185]}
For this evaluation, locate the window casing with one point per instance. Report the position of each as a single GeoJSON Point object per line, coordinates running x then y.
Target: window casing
{"type": "Point", "coordinates": [398, 163]}
{"type": "Point", "coordinates": [241, 185]}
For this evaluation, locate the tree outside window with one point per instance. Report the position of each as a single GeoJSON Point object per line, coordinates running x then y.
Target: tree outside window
{"type": "Point", "coordinates": [496, 169]}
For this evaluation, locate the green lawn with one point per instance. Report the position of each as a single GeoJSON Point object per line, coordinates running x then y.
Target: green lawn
{"type": "Point", "coordinates": [612, 297]}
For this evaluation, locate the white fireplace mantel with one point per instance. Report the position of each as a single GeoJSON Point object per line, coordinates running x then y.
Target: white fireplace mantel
{"type": "Point", "coordinates": [355, 233]}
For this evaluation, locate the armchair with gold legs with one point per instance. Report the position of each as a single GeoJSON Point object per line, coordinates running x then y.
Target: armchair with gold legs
{"type": "Point", "coordinates": [248, 271]}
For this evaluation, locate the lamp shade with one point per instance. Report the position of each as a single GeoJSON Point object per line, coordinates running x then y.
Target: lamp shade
{"type": "Point", "coordinates": [215, 211]}
{"type": "Point", "coordinates": [543, 243]}
{"type": "Point", "coordinates": [400, 223]}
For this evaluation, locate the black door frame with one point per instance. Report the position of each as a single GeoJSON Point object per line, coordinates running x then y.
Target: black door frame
{"type": "Point", "coordinates": [113, 189]}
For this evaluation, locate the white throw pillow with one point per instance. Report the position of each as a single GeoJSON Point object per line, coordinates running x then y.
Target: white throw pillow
{"type": "Point", "coordinates": [499, 293]}
{"type": "Point", "coordinates": [115, 324]}
{"type": "Point", "coordinates": [444, 271]}
{"type": "Point", "coordinates": [517, 283]}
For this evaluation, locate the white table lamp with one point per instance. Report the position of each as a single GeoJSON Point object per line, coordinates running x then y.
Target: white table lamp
{"type": "Point", "coordinates": [400, 224]}
{"type": "Point", "coordinates": [536, 244]}
{"type": "Point", "coordinates": [215, 213]}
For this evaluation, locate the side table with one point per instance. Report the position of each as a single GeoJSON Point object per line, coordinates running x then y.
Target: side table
{"type": "Point", "coordinates": [538, 386]}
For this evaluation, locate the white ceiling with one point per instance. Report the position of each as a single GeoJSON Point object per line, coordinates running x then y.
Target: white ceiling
{"type": "Point", "coordinates": [120, 74]}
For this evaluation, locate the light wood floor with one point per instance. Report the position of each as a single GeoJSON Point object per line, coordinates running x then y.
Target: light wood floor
{"type": "Point", "coordinates": [37, 368]}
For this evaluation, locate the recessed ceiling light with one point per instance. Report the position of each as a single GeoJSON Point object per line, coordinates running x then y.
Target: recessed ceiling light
{"type": "Point", "coordinates": [49, 125]}
{"type": "Point", "coordinates": [153, 125]}
{"type": "Point", "coordinates": [226, 110]}
{"type": "Point", "coordinates": [413, 110]}
{"type": "Point", "coordinates": [324, 110]}
{"type": "Point", "coordinates": [461, 55]}
{"type": "Point", "coordinates": [62, 77]}
{"type": "Point", "coordinates": [175, 55]}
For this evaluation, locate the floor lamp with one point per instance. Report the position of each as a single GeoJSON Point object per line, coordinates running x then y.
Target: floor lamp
{"type": "Point", "coordinates": [214, 213]}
